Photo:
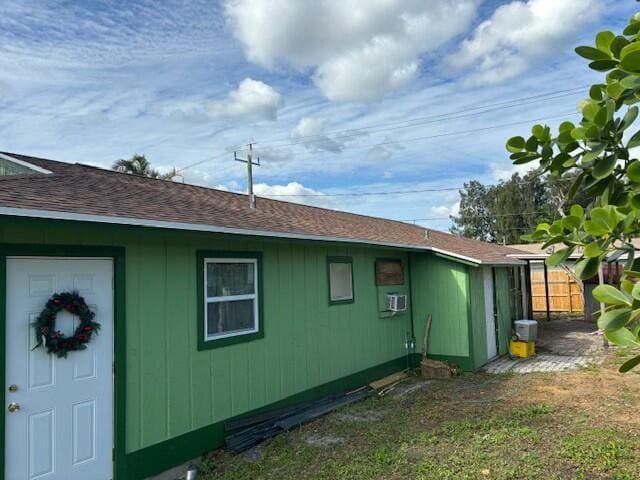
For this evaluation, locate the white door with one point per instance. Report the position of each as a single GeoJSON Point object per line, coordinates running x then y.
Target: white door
{"type": "Point", "coordinates": [64, 427]}
{"type": "Point", "coordinates": [489, 312]}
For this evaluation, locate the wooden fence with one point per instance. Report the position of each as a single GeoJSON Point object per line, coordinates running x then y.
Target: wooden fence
{"type": "Point", "coordinates": [565, 294]}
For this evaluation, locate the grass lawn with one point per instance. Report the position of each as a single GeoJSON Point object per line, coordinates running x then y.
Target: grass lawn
{"type": "Point", "coordinates": [574, 425]}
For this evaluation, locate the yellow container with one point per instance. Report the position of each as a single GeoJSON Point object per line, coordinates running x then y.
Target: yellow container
{"type": "Point", "coordinates": [522, 349]}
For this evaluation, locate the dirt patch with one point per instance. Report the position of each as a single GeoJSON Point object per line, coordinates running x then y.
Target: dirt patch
{"type": "Point", "coordinates": [365, 416]}
{"type": "Point", "coordinates": [322, 440]}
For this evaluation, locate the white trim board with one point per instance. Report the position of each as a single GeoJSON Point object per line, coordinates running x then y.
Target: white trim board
{"type": "Point", "coordinates": [199, 227]}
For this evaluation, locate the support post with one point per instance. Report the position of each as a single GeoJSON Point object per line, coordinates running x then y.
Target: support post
{"type": "Point", "coordinates": [546, 291]}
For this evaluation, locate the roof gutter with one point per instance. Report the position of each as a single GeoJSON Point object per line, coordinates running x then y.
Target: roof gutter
{"type": "Point", "coordinates": [199, 227]}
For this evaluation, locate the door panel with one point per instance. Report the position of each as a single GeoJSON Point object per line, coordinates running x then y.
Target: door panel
{"type": "Point", "coordinates": [64, 427]}
{"type": "Point", "coordinates": [489, 312]}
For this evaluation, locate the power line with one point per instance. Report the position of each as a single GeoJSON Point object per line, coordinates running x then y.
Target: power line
{"type": "Point", "coordinates": [418, 121]}
{"type": "Point", "coordinates": [210, 159]}
{"type": "Point", "coordinates": [461, 132]}
{"type": "Point", "coordinates": [408, 123]}
{"type": "Point", "coordinates": [392, 192]}
{"type": "Point", "coordinates": [472, 216]}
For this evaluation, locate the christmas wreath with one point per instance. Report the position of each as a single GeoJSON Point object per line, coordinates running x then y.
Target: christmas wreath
{"type": "Point", "coordinates": [53, 340]}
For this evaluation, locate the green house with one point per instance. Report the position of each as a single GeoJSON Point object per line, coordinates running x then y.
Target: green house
{"type": "Point", "coordinates": [209, 308]}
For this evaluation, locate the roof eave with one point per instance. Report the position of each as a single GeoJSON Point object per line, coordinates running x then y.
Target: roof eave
{"type": "Point", "coordinates": [140, 222]}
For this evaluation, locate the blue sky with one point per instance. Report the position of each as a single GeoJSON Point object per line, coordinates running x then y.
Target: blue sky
{"type": "Point", "coordinates": [340, 95]}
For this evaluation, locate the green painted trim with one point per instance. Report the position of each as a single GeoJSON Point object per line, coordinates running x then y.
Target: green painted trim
{"type": "Point", "coordinates": [455, 259]}
{"type": "Point", "coordinates": [465, 363]}
{"type": "Point", "coordinates": [119, 334]}
{"type": "Point", "coordinates": [164, 455]}
{"type": "Point", "coordinates": [201, 256]}
{"type": "Point", "coordinates": [331, 260]}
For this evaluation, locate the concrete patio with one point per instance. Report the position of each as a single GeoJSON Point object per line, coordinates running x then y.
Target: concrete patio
{"type": "Point", "coordinates": [562, 345]}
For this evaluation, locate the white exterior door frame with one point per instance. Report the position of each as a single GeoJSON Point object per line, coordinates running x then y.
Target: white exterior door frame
{"type": "Point", "coordinates": [115, 258]}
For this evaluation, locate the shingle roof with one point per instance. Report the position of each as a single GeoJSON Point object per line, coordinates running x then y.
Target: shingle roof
{"type": "Point", "coordinates": [82, 192]}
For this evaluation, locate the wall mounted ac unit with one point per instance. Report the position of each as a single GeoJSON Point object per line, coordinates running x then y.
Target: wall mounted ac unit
{"type": "Point", "coordinates": [396, 303]}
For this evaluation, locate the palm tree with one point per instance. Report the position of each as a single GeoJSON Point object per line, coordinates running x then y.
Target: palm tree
{"type": "Point", "coordinates": [139, 165]}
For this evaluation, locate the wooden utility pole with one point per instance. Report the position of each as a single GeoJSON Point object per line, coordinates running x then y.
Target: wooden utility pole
{"type": "Point", "coordinates": [250, 163]}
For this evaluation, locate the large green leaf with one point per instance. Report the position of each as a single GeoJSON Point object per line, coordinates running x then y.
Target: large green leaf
{"type": "Point", "coordinates": [634, 141]}
{"type": "Point", "coordinates": [617, 45]}
{"type": "Point", "coordinates": [615, 90]}
{"type": "Point", "coordinates": [603, 65]}
{"type": "Point", "coordinates": [604, 166]}
{"type": "Point", "coordinates": [576, 210]}
{"type": "Point", "coordinates": [628, 50]}
{"type": "Point", "coordinates": [631, 81]}
{"type": "Point", "coordinates": [604, 39]}
{"type": "Point", "coordinates": [576, 185]}
{"type": "Point", "coordinates": [595, 228]}
{"type": "Point", "coordinates": [594, 249]}
{"type": "Point", "coordinates": [635, 291]}
{"type": "Point", "coordinates": [633, 171]}
{"type": "Point", "coordinates": [608, 216]}
{"type": "Point", "coordinates": [629, 118]}
{"type": "Point", "coordinates": [613, 320]}
{"type": "Point", "coordinates": [611, 296]}
{"type": "Point", "coordinates": [587, 268]}
{"type": "Point", "coordinates": [558, 257]}
{"type": "Point", "coordinates": [622, 337]}
{"type": "Point", "coordinates": [589, 110]}
{"type": "Point", "coordinates": [591, 53]}
{"type": "Point", "coordinates": [516, 144]}
{"type": "Point", "coordinates": [630, 62]}
{"type": "Point", "coordinates": [595, 92]}
{"type": "Point", "coordinates": [632, 29]}
{"type": "Point", "coordinates": [629, 364]}
{"type": "Point", "coordinates": [570, 222]}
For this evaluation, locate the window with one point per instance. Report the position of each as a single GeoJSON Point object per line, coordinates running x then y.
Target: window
{"type": "Point", "coordinates": [340, 271]}
{"type": "Point", "coordinates": [230, 298]}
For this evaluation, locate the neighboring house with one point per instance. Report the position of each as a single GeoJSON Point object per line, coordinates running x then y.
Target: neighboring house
{"type": "Point", "coordinates": [211, 309]}
{"type": "Point", "coordinates": [557, 289]}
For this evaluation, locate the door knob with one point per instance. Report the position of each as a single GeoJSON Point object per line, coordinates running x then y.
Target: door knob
{"type": "Point", "coordinates": [14, 407]}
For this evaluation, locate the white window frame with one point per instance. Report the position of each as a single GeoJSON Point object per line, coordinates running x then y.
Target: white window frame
{"type": "Point", "coordinates": [232, 298]}
{"type": "Point", "coordinates": [337, 261]}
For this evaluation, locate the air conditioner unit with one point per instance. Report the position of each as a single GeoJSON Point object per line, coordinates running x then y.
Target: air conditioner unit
{"type": "Point", "coordinates": [396, 303]}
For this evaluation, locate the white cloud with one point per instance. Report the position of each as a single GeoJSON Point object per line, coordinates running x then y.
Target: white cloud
{"type": "Point", "coordinates": [252, 98]}
{"type": "Point", "coordinates": [309, 132]}
{"type": "Point", "coordinates": [519, 34]}
{"type": "Point", "coordinates": [446, 210]}
{"type": "Point", "coordinates": [505, 171]}
{"type": "Point", "coordinates": [287, 192]}
{"type": "Point", "coordinates": [357, 50]}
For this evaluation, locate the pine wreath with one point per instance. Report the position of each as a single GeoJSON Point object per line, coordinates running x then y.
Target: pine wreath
{"type": "Point", "coordinates": [53, 340]}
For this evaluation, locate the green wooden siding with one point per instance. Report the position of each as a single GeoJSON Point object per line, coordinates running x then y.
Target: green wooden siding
{"type": "Point", "coordinates": [172, 388]}
{"type": "Point", "coordinates": [440, 288]}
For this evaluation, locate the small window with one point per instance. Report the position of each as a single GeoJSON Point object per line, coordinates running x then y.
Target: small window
{"type": "Point", "coordinates": [230, 299]}
{"type": "Point", "coordinates": [340, 280]}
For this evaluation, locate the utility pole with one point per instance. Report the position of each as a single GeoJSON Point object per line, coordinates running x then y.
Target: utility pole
{"type": "Point", "coordinates": [250, 163]}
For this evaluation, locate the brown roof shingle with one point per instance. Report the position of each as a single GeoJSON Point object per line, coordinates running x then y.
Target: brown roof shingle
{"type": "Point", "coordinates": [83, 190]}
